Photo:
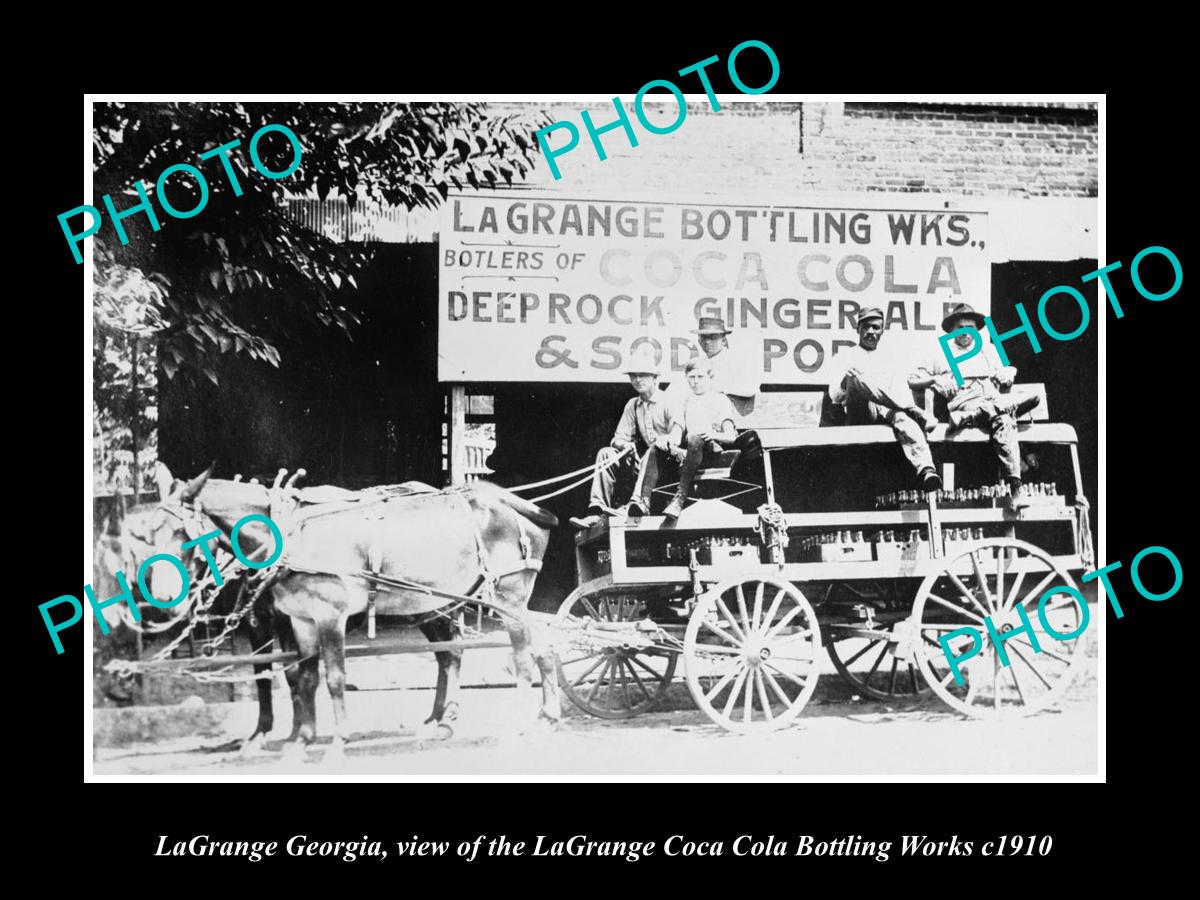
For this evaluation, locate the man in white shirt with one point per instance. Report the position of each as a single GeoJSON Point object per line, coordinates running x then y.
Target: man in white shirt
{"type": "Point", "coordinates": [644, 425]}
{"type": "Point", "coordinates": [979, 401]}
{"type": "Point", "coordinates": [871, 387]}
{"type": "Point", "coordinates": [701, 427]}
{"type": "Point", "coordinates": [734, 376]}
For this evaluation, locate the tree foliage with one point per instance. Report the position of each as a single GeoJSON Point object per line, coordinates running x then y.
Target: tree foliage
{"type": "Point", "coordinates": [241, 276]}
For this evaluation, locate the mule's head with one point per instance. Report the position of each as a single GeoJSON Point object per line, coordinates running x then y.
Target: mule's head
{"type": "Point", "coordinates": [163, 527]}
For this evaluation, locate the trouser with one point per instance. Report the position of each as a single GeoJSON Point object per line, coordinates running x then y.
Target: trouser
{"type": "Point", "coordinates": [999, 421]}
{"type": "Point", "coordinates": [613, 485]}
{"type": "Point", "coordinates": [909, 435]}
{"type": "Point", "coordinates": [658, 466]}
{"type": "Point", "coordinates": [749, 465]}
{"type": "Point", "coordinates": [700, 453]}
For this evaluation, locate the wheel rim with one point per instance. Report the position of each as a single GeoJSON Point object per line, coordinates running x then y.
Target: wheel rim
{"type": "Point", "coordinates": [992, 579]}
{"type": "Point", "coordinates": [612, 682]}
{"type": "Point", "coordinates": [751, 651]}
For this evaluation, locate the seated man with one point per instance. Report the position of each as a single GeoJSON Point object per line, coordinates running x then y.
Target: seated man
{"type": "Point", "coordinates": [704, 426]}
{"type": "Point", "coordinates": [978, 400]}
{"type": "Point", "coordinates": [871, 388]}
{"type": "Point", "coordinates": [737, 377]}
{"type": "Point", "coordinates": [644, 424]}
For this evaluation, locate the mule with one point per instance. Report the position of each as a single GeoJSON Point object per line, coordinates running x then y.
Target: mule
{"type": "Point", "coordinates": [480, 537]}
{"type": "Point", "coordinates": [163, 526]}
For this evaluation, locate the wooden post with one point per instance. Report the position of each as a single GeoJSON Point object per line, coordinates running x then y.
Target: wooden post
{"type": "Point", "coordinates": [458, 434]}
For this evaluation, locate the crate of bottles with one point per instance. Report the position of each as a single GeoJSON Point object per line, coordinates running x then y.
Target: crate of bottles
{"type": "Point", "coordinates": [1043, 493]}
{"type": "Point", "coordinates": [897, 545]}
{"type": "Point", "coordinates": [835, 546]}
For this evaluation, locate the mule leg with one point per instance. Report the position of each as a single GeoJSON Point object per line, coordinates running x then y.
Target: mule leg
{"type": "Point", "coordinates": [543, 653]}
{"type": "Point", "coordinates": [304, 689]}
{"type": "Point", "coordinates": [445, 703]}
{"type": "Point", "coordinates": [331, 631]}
{"type": "Point", "coordinates": [518, 633]}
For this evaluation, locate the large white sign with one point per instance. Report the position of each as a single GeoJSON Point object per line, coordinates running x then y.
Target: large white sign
{"type": "Point", "coordinates": [538, 287]}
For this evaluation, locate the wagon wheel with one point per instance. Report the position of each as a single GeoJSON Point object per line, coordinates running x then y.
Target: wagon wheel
{"type": "Point", "coordinates": [751, 649]}
{"type": "Point", "coordinates": [992, 579]}
{"type": "Point", "coordinates": [611, 681]}
{"type": "Point", "coordinates": [888, 669]}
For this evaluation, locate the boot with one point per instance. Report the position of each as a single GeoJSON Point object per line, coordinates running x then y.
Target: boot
{"type": "Point", "coordinates": [675, 507]}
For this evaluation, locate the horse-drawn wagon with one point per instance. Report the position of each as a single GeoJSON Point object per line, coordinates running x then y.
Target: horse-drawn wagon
{"type": "Point", "coordinates": [835, 560]}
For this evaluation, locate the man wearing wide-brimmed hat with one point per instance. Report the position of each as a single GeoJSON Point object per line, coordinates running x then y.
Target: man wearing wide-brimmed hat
{"type": "Point", "coordinates": [737, 379]}
{"type": "Point", "coordinates": [979, 399]}
{"type": "Point", "coordinates": [645, 424]}
{"type": "Point", "coordinates": [870, 385]}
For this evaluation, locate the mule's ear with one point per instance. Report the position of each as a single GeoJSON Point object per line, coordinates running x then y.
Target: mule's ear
{"type": "Point", "coordinates": [162, 477]}
{"type": "Point", "coordinates": [192, 488]}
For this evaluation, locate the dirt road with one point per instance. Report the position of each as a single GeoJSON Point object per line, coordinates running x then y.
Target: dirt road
{"type": "Point", "coordinates": [838, 736]}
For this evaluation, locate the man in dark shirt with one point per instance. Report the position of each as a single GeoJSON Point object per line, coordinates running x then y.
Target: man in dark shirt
{"type": "Point", "coordinates": [644, 423]}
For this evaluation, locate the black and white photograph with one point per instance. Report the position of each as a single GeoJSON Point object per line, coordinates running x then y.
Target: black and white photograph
{"type": "Point", "coordinates": [568, 439]}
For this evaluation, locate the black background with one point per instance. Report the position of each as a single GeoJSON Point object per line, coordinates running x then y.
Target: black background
{"type": "Point", "coordinates": [1131, 820]}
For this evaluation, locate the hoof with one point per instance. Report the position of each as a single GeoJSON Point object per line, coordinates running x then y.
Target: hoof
{"type": "Point", "coordinates": [295, 751]}
{"type": "Point", "coordinates": [434, 731]}
{"type": "Point", "coordinates": [255, 746]}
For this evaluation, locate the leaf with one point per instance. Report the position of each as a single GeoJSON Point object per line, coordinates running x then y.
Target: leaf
{"type": "Point", "coordinates": [212, 376]}
{"type": "Point", "coordinates": [170, 367]}
{"type": "Point", "coordinates": [215, 277]}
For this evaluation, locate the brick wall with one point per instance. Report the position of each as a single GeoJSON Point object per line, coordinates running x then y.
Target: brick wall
{"type": "Point", "coordinates": [972, 149]}
{"type": "Point", "coordinates": [774, 151]}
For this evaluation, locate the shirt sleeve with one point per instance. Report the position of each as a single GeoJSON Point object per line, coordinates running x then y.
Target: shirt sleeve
{"type": "Point", "coordinates": [725, 411]}
{"type": "Point", "coordinates": [627, 426]}
{"type": "Point", "coordinates": [836, 372]}
{"type": "Point", "coordinates": [938, 369]}
{"type": "Point", "coordinates": [742, 378]}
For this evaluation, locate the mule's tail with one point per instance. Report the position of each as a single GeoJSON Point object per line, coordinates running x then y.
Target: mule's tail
{"type": "Point", "coordinates": [530, 511]}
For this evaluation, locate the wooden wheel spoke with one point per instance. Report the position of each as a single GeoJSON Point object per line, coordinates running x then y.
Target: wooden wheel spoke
{"type": "Point", "coordinates": [958, 609]}
{"type": "Point", "coordinates": [782, 623]}
{"type": "Point", "coordinates": [635, 659]}
{"type": "Point", "coordinates": [741, 602]}
{"type": "Point", "coordinates": [599, 679]}
{"type": "Point", "coordinates": [786, 674]}
{"type": "Point", "coordinates": [779, 692]}
{"type": "Point", "coordinates": [982, 579]}
{"type": "Point", "coordinates": [637, 679]}
{"type": "Point", "coordinates": [878, 660]}
{"type": "Point", "coordinates": [1017, 683]}
{"type": "Point", "coordinates": [912, 675]}
{"type": "Point", "coordinates": [730, 619]}
{"type": "Point", "coordinates": [892, 684]}
{"type": "Point", "coordinates": [1037, 591]}
{"type": "Point", "coordinates": [721, 684]}
{"type": "Point", "coordinates": [722, 634]}
{"type": "Point", "coordinates": [1032, 667]}
{"type": "Point", "coordinates": [860, 653]}
{"type": "Point", "coordinates": [957, 582]}
{"type": "Point", "coordinates": [758, 599]}
{"type": "Point", "coordinates": [770, 616]}
{"type": "Point", "coordinates": [1045, 652]}
{"type": "Point", "coordinates": [1001, 559]}
{"type": "Point", "coordinates": [624, 682]}
{"type": "Point", "coordinates": [762, 694]}
{"type": "Point", "coordinates": [1015, 591]}
{"type": "Point", "coordinates": [592, 669]}
{"type": "Point", "coordinates": [570, 662]}
{"type": "Point", "coordinates": [733, 695]}
{"type": "Point", "coordinates": [748, 706]}
{"type": "Point", "coordinates": [592, 611]}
